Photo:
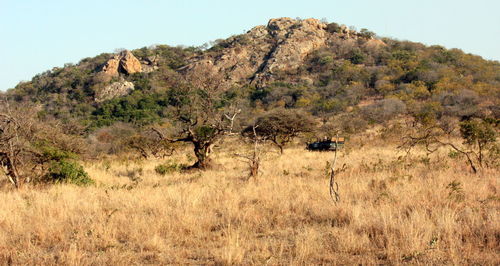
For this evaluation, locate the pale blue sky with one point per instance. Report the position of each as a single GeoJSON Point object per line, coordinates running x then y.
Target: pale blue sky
{"type": "Point", "coordinates": [37, 35]}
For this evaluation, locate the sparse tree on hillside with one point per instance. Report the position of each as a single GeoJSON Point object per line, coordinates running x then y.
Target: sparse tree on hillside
{"type": "Point", "coordinates": [366, 33]}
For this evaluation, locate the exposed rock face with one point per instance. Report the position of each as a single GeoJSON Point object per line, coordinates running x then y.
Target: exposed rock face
{"type": "Point", "coordinates": [116, 89]}
{"type": "Point", "coordinates": [264, 52]}
{"type": "Point", "coordinates": [129, 64]}
{"type": "Point", "coordinates": [125, 63]}
{"type": "Point", "coordinates": [295, 40]}
{"type": "Point", "coordinates": [261, 56]}
{"type": "Point", "coordinates": [111, 67]}
{"type": "Point", "coordinates": [374, 44]}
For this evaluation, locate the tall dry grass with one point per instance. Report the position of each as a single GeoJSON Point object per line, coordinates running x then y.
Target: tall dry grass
{"type": "Point", "coordinates": [418, 210]}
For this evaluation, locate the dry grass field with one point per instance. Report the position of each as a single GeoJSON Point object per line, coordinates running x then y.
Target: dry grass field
{"type": "Point", "coordinates": [419, 210]}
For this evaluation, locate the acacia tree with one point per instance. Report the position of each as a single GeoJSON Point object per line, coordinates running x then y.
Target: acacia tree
{"type": "Point", "coordinates": [196, 110]}
{"type": "Point", "coordinates": [478, 135]}
{"type": "Point", "coordinates": [281, 126]}
{"type": "Point", "coordinates": [150, 143]}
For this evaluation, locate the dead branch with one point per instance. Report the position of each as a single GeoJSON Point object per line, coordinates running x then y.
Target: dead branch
{"type": "Point", "coordinates": [254, 159]}
{"type": "Point", "coordinates": [334, 186]}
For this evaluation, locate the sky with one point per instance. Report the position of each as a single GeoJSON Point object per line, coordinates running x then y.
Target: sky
{"type": "Point", "coordinates": [37, 35]}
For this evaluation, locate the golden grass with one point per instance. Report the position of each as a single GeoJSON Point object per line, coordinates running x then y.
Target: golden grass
{"type": "Point", "coordinates": [391, 211]}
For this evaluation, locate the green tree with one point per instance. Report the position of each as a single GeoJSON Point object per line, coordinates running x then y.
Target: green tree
{"type": "Point", "coordinates": [479, 134]}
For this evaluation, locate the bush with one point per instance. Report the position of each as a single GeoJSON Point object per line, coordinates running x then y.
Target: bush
{"type": "Point", "coordinates": [112, 139]}
{"type": "Point", "coordinates": [366, 33]}
{"type": "Point", "coordinates": [349, 123]}
{"type": "Point", "coordinates": [169, 167]}
{"type": "Point", "coordinates": [333, 27]}
{"type": "Point", "coordinates": [356, 56]}
{"type": "Point", "coordinates": [427, 113]}
{"type": "Point", "coordinates": [69, 172]}
{"type": "Point", "coordinates": [137, 108]}
{"type": "Point", "coordinates": [478, 132]}
{"type": "Point", "coordinates": [51, 153]}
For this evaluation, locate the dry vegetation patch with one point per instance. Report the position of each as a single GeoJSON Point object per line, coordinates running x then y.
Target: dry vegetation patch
{"type": "Point", "coordinates": [392, 210]}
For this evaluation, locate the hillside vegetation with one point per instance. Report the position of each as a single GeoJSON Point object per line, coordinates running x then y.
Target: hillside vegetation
{"type": "Point", "coordinates": [337, 73]}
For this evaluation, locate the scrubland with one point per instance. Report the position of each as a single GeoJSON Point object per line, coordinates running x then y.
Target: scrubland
{"type": "Point", "coordinates": [393, 210]}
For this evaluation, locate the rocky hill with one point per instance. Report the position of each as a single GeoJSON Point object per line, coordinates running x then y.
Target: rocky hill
{"type": "Point", "coordinates": [260, 55]}
{"type": "Point", "coordinates": [325, 68]}
{"type": "Point", "coordinates": [254, 58]}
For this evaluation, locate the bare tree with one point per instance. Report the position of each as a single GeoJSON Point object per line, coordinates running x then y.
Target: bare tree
{"type": "Point", "coordinates": [16, 136]}
{"type": "Point", "coordinates": [254, 158]}
{"type": "Point", "coordinates": [231, 116]}
{"type": "Point", "coordinates": [11, 146]}
{"type": "Point", "coordinates": [28, 145]}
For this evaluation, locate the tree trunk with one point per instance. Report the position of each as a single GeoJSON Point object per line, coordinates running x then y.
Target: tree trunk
{"type": "Point", "coordinates": [480, 155]}
{"type": "Point", "coordinates": [11, 172]}
{"type": "Point", "coordinates": [202, 152]}
{"type": "Point", "coordinates": [281, 148]}
{"type": "Point", "coordinates": [278, 144]}
{"type": "Point", "coordinates": [254, 167]}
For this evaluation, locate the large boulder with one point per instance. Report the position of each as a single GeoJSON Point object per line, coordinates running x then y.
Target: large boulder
{"type": "Point", "coordinates": [125, 63]}
{"type": "Point", "coordinates": [111, 67]}
{"type": "Point", "coordinates": [129, 64]}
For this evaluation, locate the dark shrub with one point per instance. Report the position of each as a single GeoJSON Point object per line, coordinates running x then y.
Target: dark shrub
{"type": "Point", "coordinates": [69, 172]}
{"type": "Point", "coordinates": [169, 167]}
{"type": "Point", "coordinates": [333, 27]}
{"type": "Point", "coordinates": [366, 33]}
{"type": "Point", "coordinates": [356, 56]}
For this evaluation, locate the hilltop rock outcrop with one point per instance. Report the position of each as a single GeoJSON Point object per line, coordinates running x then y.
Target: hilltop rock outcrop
{"type": "Point", "coordinates": [125, 63]}
{"type": "Point", "coordinates": [258, 57]}
{"type": "Point", "coordinates": [294, 41]}
{"type": "Point", "coordinates": [265, 52]}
